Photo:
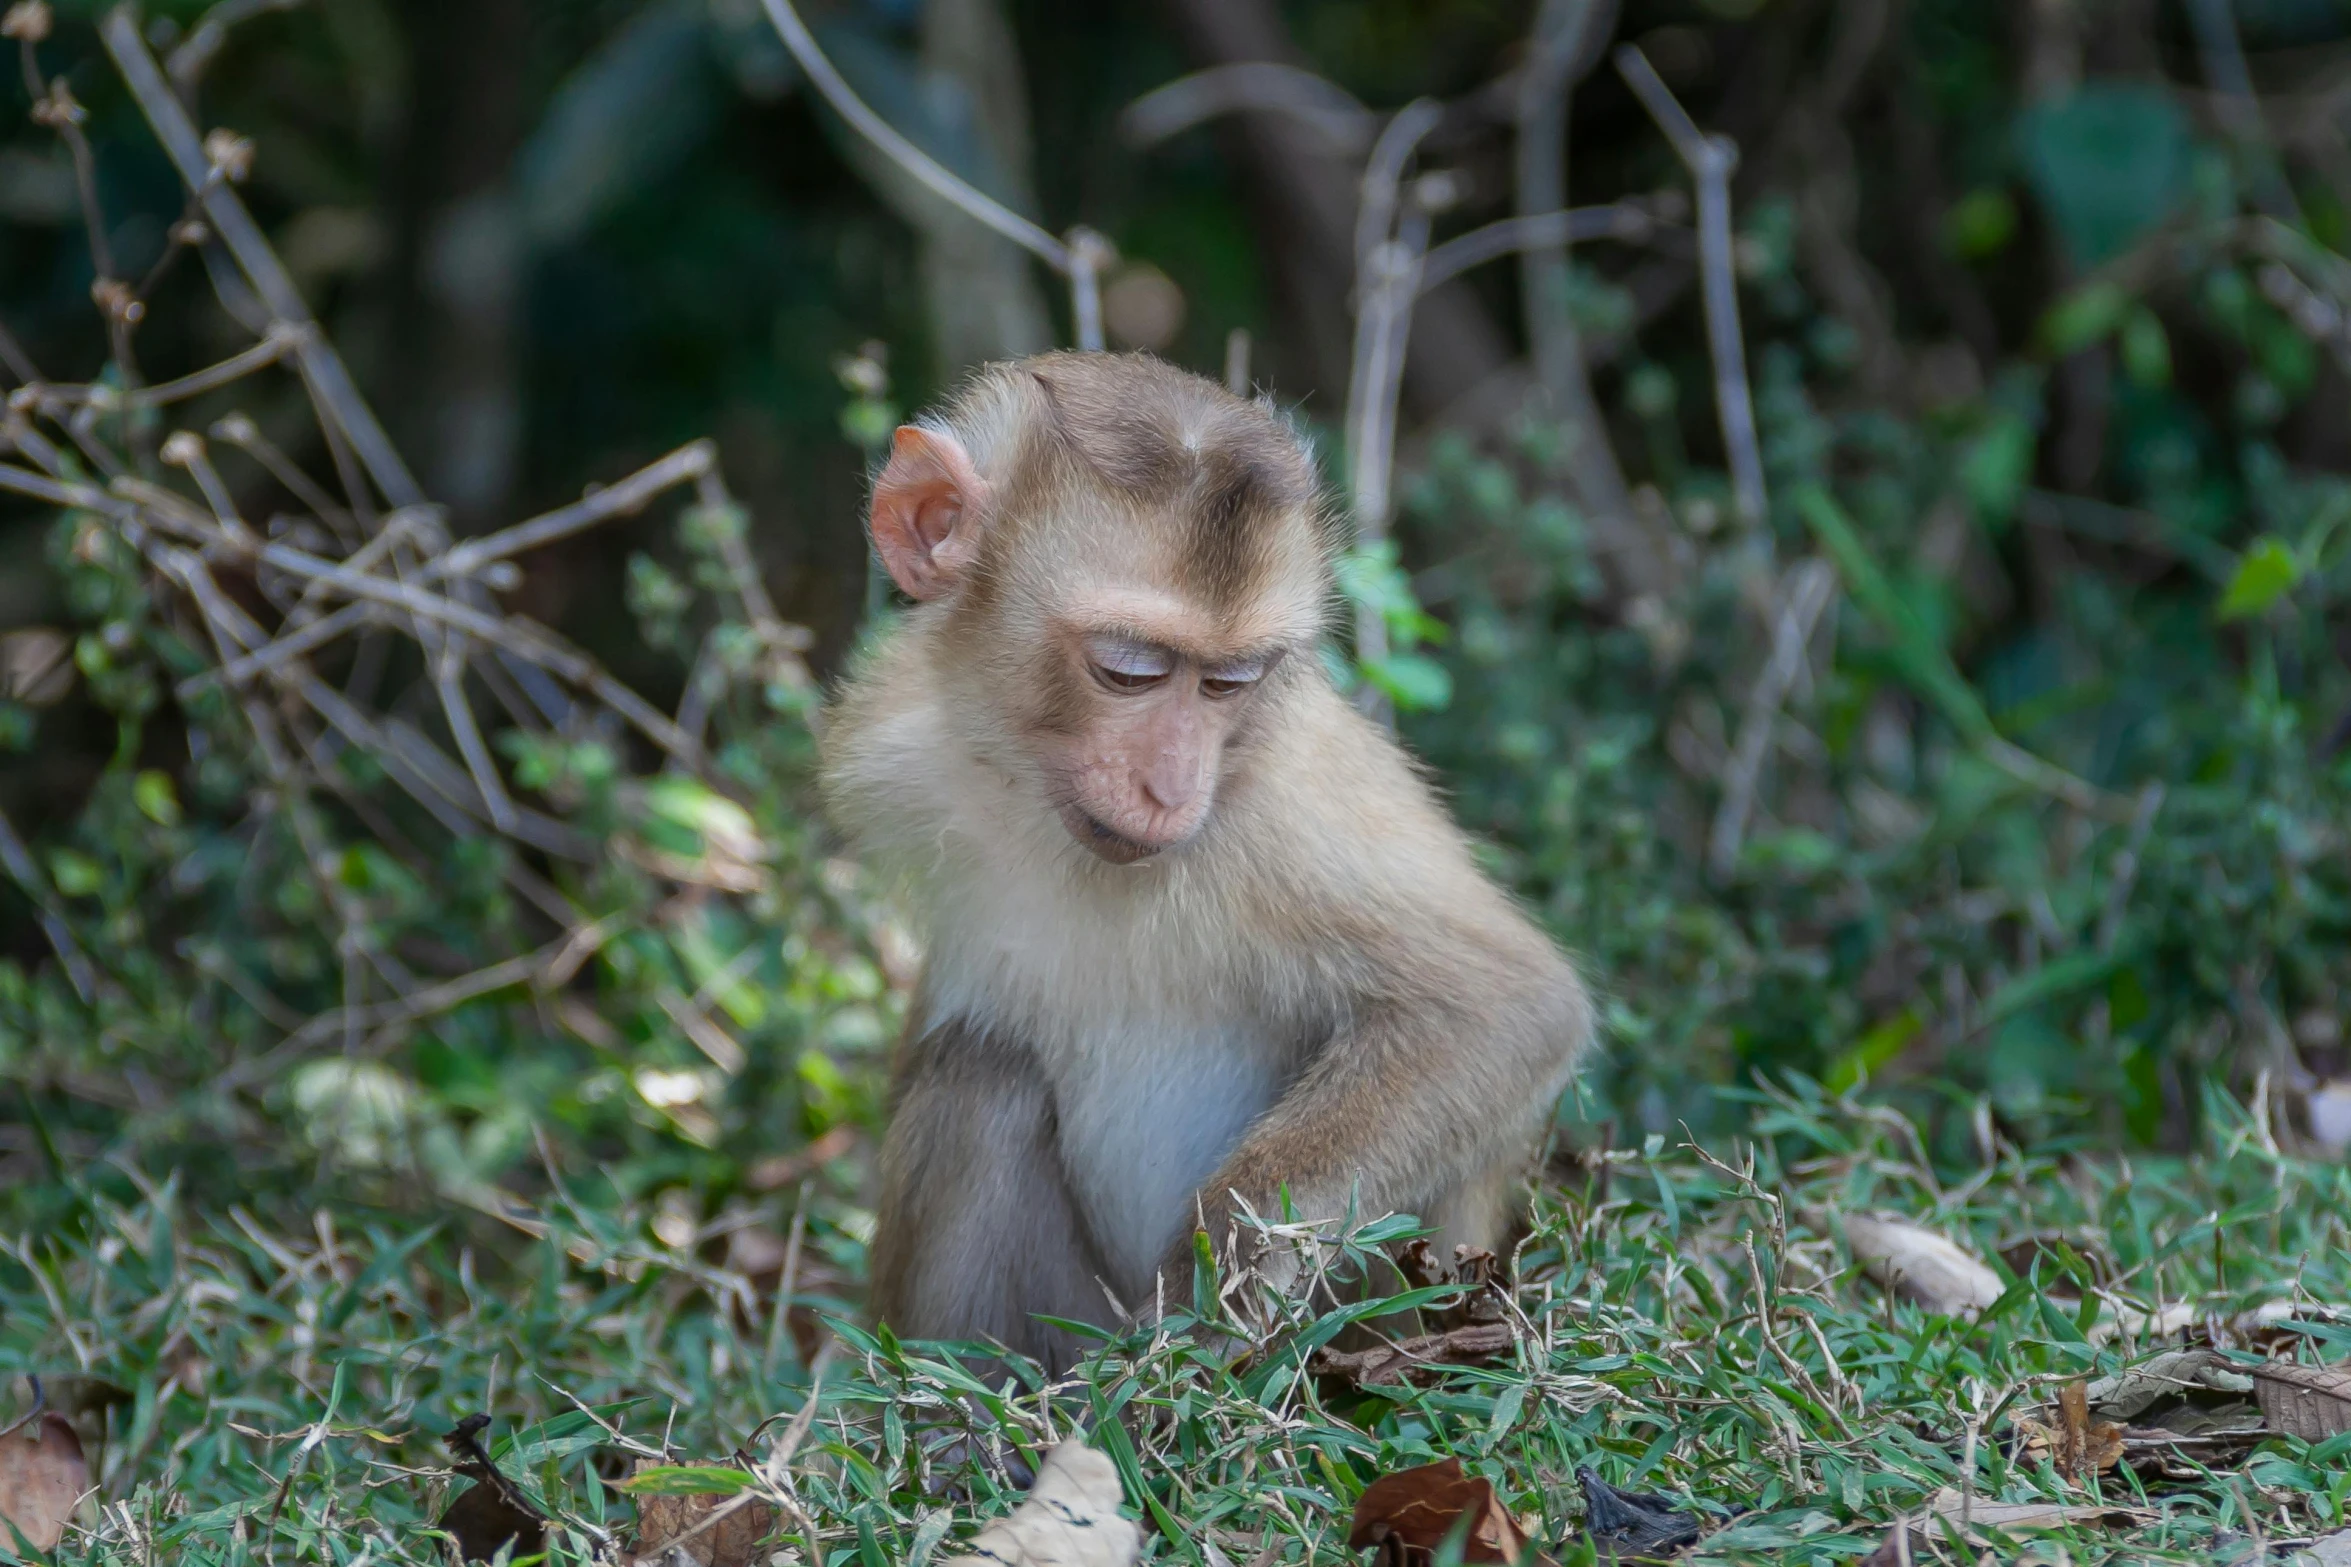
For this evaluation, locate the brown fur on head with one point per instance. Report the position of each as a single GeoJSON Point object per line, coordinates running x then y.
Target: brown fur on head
{"type": "Point", "coordinates": [1121, 559]}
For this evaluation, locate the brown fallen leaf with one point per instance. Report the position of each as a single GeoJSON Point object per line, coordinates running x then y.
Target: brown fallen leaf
{"type": "Point", "coordinates": [2199, 1376]}
{"type": "Point", "coordinates": [2155, 1453]}
{"type": "Point", "coordinates": [1069, 1519]}
{"type": "Point", "coordinates": [493, 1510]}
{"type": "Point", "coordinates": [43, 1478]}
{"type": "Point", "coordinates": [1920, 1265]}
{"type": "Point", "coordinates": [713, 1528]}
{"type": "Point", "coordinates": [1486, 1296]}
{"type": "Point", "coordinates": [1408, 1514]}
{"type": "Point", "coordinates": [1415, 1358]}
{"type": "Point", "coordinates": [2075, 1444]}
{"type": "Point", "coordinates": [2309, 1402]}
{"type": "Point", "coordinates": [1948, 1513]}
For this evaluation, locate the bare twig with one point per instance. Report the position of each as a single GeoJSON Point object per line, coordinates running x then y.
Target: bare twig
{"type": "Point", "coordinates": [2126, 865]}
{"type": "Point", "coordinates": [1557, 53]}
{"type": "Point", "coordinates": [2223, 57]}
{"type": "Point", "coordinates": [1573, 226]}
{"type": "Point", "coordinates": [1250, 86]}
{"type": "Point", "coordinates": [323, 368]}
{"type": "Point", "coordinates": [17, 861]}
{"type": "Point", "coordinates": [621, 499]}
{"type": "Point", "coordinates": [1711, 160]}
{"type": "Point", "coordinates": [1089, 254]}
{"type": "Point", "coordinates": [1803, 596]}
{"type": "Point", "coordinates": [933, 175]}
{"type": "Point", "coordinates": [187, 63]}
{"type": "Point", "coordinates": [1391, 239]}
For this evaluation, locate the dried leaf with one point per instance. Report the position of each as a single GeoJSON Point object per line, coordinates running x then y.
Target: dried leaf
{"type": "Point", "coordinates": [493, 1510]}
{"type": "Point", "coordinates": [1487, 1297]}
{"type": "Point", "coordinates": [2309, 1402]}
{"type": "Point", "coordinates": [1410, 1513]}
{"type": "Point", "coordinates": [43, 1478]}
{"type": "Point", "coordinates": [1475, 1345]}
{"type": "Point", "coordinates": [1632, 1526]}
{"type": "Point", "coordinates": [2089, 1446]}
{"type": "Point", "coordinates": [1069, 1519]}
{"type": "Point", "coordinates": [2170, 1455]}
{"type": "Point", "coordinates": [2199, 1375]}
{"type": "Point", "coordinates": [1920, 1265]}
{"type": "Point", "coordinates": [1948, 1512]}
{"type": "Point", "coordinates": [718, 1526]}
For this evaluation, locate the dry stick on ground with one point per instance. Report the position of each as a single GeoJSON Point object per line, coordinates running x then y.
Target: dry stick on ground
{"type": "Point", "coordinates": [1080, 258]}
{"type": "Point", "coordinates": [1711, 160]}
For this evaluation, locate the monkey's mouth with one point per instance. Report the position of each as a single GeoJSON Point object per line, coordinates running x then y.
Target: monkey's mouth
{"type": "Point", "coordinates": [1116, 847]}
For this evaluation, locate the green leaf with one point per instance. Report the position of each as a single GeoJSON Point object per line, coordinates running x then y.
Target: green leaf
{"type": "Point", "coordinates": [2146, 349]}
{"type": "Point", "coordinates": [688, 1480]}
{"type": "Point", "coordinates": [1413, 681]}
{"type": "Point", "coordinates": [2265, 573]}
{"type": "Point", "coordinates": [2087, 315]}
{"type": "Point", "coordinates": [1997, 464]}
{"type": "Point", "coordinates": [76, 874]}
{"type": "Point", "coordinates": [1922, 659]}
{"type": "Point", "coordinates": [2109, 161]}
{"type": "Point", "coordinates": [157, 800]}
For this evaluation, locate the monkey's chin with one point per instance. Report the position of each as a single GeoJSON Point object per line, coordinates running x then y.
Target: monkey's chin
{"type": "Point", "coordinates": [1105, 844]}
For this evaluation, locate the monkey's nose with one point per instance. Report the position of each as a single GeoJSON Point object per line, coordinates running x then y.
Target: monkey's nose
{"type": "Point", "coordinates": [1171, 783]}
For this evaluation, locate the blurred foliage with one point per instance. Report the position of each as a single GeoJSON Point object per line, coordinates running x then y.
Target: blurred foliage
{"type": "Point", "coordinates": [2048, 826]}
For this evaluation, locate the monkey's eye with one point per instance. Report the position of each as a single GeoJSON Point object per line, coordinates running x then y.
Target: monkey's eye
{"type": "Point", "coordinates": [1130, 666]}
{"type": "Point", "coordinates": [1231, 679]}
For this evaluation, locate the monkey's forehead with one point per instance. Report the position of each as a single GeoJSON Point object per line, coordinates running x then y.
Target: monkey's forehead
{"type": "Point", "coordinates": [1174, 580]}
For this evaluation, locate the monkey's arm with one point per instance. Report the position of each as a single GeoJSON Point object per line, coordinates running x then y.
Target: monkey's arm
{"type": "Point", "coordinates": [1414, 1102]}
{"type": "Point", "coordinates": [1457, 1021]}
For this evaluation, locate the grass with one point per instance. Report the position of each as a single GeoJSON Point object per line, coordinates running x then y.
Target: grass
{"type": "Point", "coordinates": [290, 1374]}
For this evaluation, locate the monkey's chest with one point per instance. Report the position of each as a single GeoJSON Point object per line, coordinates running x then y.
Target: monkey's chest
{"type": "Point", "coordinates": [1145, 1117]}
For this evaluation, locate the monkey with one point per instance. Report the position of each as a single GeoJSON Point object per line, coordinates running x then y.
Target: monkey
{"type": "Point", "coordinates": [1198, 936]}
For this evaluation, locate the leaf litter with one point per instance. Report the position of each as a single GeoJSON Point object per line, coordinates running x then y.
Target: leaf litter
{"type": "Point", "coordinates": [44, 1478]}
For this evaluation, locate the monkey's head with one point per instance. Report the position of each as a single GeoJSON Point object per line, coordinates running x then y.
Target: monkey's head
{"type": "Point", "coordinates": [1120, 567]}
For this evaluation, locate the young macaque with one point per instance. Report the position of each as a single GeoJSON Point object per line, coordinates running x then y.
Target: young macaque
{"type": "Point", "coordinates": [1196, 933]}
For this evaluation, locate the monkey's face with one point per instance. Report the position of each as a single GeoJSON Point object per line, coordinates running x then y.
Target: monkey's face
{"type": "Point", "coordinates": [1139, 731]}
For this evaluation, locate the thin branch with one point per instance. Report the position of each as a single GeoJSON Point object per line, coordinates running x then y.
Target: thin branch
{"type": "Point", "coordinates": [17, 861]}
{"type": "Point", "coordinates": [1560, 49]}
{"type": "Point", "coordinates": [624, 498]}
{"type": "Point", "coordinates": [322, 367]}
{"type": "Point", "coordinates": [1803, 596]}
{"type": "Point", "coordinates": [933, 175]}
{"type": "Point", "coordinates": [1711, 160]}
{"type": "Point", "coordinates": [1250, 86]}
{"type": "Point", "coordinates": [2223, 56]}
{"type": "Point", "coordinates": [1573, 226]}
{"type": "Point", "coordinates": [281, 339]}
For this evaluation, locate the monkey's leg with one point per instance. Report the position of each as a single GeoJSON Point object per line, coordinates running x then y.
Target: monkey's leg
{"type": "Point", "coordinates": [977, 1232]}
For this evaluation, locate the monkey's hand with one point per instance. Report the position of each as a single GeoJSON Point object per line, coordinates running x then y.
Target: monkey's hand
{"type": "Point", "coordinates": [1284, 1258]}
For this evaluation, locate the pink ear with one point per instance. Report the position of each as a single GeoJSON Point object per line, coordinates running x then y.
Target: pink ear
{"type": "Point", "coordinates": [929, 508]}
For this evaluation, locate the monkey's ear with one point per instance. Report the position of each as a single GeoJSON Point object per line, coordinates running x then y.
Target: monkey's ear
{"type": "Point", "coordinates": [929, 508]}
